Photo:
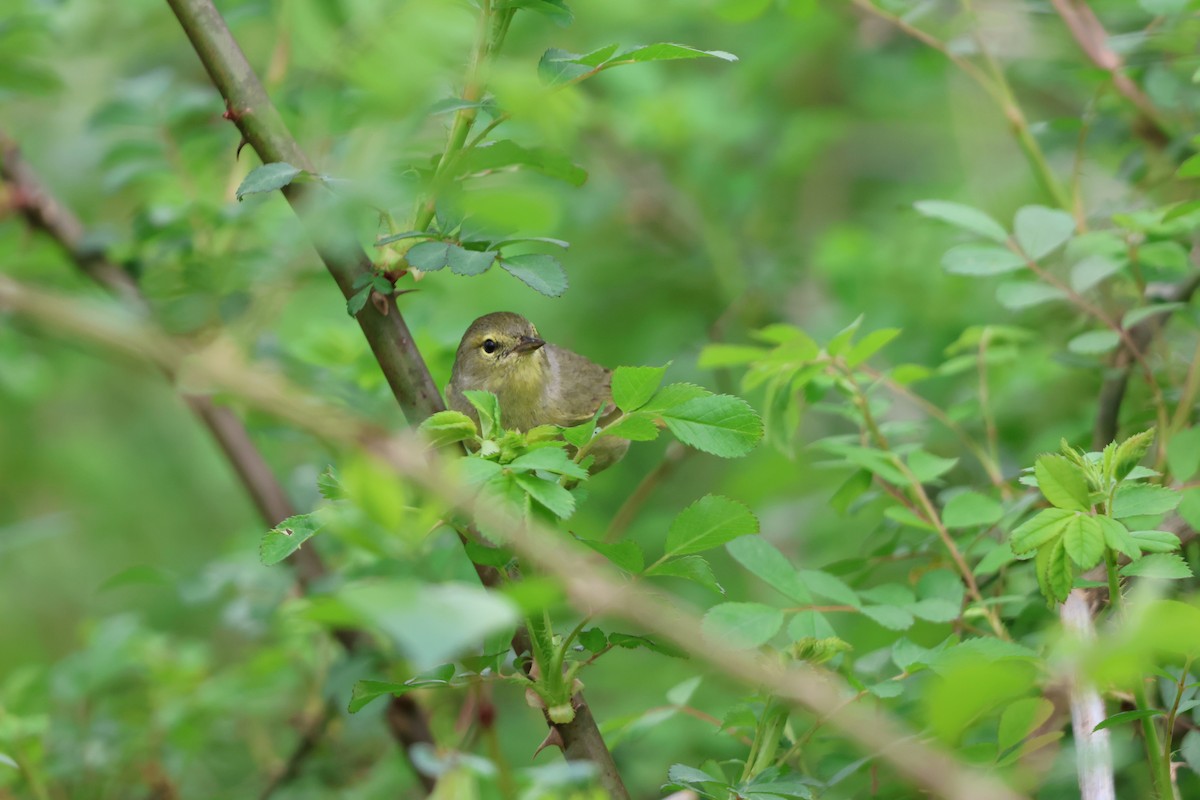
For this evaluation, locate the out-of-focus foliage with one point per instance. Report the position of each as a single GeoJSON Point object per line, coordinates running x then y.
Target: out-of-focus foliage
{"type": "Point", "coordinates": [839, 226]}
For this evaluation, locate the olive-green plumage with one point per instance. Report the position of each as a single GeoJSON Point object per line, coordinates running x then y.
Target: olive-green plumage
{"type": "Point", "coordinates": [536, 383]}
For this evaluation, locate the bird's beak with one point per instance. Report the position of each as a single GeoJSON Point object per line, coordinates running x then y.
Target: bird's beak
{"type": "Point", "coordinates": [527, 344]}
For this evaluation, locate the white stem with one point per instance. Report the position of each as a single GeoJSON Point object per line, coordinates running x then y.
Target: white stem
{"type": "Point", "coordinates": [1093, 756]}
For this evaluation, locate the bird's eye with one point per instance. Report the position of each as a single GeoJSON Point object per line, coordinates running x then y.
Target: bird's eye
{"type": "Point", "coordinates": [489, 346]}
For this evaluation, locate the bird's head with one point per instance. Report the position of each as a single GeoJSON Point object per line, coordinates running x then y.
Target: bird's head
{"type": "Point", "coordinates": [498, 351]}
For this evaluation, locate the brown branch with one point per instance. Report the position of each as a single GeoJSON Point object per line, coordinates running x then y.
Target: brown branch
{"type": "Point", "coordinates": [43, 211]}
{"type": "Point", "coordinates": [402, 364]}
{"type": "Point", "coordinates": [1092, 38]}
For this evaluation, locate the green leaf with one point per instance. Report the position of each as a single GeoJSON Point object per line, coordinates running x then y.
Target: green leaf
{"type": "Point", "coordinates": [1083, 537]}
{"type": "Point", "coordinates": [489, 410]}
{"type": "Point", "coordinates": [720, 424]}
{"type": "Point", "coordinates": [764, 561]}
{"type": "Point", "coordinates": [1046, 526]}
{"type": "Point", "coordinates": [366, 691]}
{"type": "Point", "coordinates": [447, 427]}
{"type": "Point", "coordinates": [1062, 483]}
{"type": "Point", "coordinates": [507, 153]}
{"type": "Point", "coordinates": [1141, 500]}
{"type": "Point", "coordinates": [838, 344]}
{"type": "Point", "coordinates": [1164, 566]}
{"type": "Point", "coordinates": [1189, 507]}
{"type": "Point", "coordinates": [890, 617]}
{"type": "Point", "coordinates": [927, 467]}
{"type": "Point", "coordinates": [674, 394]}
{"type": "Point", "coordinates": [632, 387]}
{"type": "Point", "coordinates": [432, 256]}
{"type": "Point", "coordinates": [935, 609]}
{"type": "Point", "coordinates": [550, 494]}
{"type": "Point", "coordinates": [286, 538]}
{"type": "Point", "coordinates": [1093, 270]}
{"type": "Point", "coordinates": [742, 624]}
{"type": "Point", "coordinates": [1054, 572]}
{"type": "Point", "coordinates": [690, 568]}
{"type": "Point", "coordinates": [981, 260]}
{"type": "Point", "coordinates": [1183, 453]}
{"type": "Point", "coordinates": [630, 641]}
{"type": "Point", "coordinates": [556, 10]}
{"type": "Point", "coordinates": [1040, 230]}
{"type": "Point", "coordinates": [826, 585]}
{"type": "Point", "coordinates": [626, 555]}
{"type": "Point", "coordinates": [1130, 452]}
{"type": "Point", "coordinates": [357, 301]}
{"type": "Point", "coordinates": [593, 639]}
{"type": "Point", "coordinates": [1129, 716]}
{"type": "Point", "coordinates": [1019, 295]}
{"type": "Point", "coordinates": [329, 486]}
{"type": "Point", "coordinates": [970, 510]}
{"type": "Point", "coordinates": [396, 237]}
{"type": "Point", "coordinates": [668, 51]}
{"type": "Point", "coordinates": [549, 459]}
{"type": "Point", "coordinates": [1156, 541]}
{"type": "Point", "coordinates": [1189, 168]}
{"type": "Point", "coordinates": [1094, 342]}
{"type": "Point", "coordinates": [716, 356]}
{"type": "Point", "coordinates": [709, 522]}
{"type": "Point", "coordinates": [869, 345]}
{"type": "Point", "coordinates": [965, 217]}
{"type": "Point", "coordinates": [1021, 718]}
{"type": "Point", "coordinates": [636, 428]}
{"type": "Point", "coordinates": [1117, 537]}
{"type": "Point", "coordinates": [1137, 315]}
{"type": "Point", "coordinates": [541, 272]}
{"type": "Point", "coordinates": [268, 178]}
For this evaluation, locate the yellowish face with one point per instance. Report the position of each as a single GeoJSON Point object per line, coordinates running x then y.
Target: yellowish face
{"type": "Point", "coordinates": [502, 354]}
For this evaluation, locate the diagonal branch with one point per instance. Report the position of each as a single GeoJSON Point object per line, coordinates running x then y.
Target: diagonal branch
{"type": "Point", "coordinates": [249, 107]}
{"type": "Point", "coordinates": [43, 211]}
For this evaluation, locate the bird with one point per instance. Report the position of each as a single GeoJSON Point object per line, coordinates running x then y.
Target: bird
{"type": "Point", "coordinates": [535, 382]}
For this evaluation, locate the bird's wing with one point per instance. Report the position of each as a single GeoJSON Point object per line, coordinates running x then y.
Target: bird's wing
{"type": "Point", "coordinates": [583, 387]}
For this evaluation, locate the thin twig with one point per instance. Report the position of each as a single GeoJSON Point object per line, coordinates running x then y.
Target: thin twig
{"type": "Point", "coordinates": [672, 458]}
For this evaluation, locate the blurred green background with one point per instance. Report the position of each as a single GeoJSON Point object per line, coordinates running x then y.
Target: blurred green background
{"type": "Point", "coordinates": [720, 197]}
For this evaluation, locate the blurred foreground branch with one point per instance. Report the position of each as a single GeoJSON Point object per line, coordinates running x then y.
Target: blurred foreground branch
{"type": "Point", "coordinates": [43, 211]}
{"type": "Point", "coordinates": [592, 586]}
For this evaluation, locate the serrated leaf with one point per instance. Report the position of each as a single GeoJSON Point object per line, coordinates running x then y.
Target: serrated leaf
{"type": "Point", "coordinates": [1083, 539]}
{"type": "Point", "coordinates": [1117, 537]}
{"type": "Point", "coordinates": [488, 407]}
{"type": "Point", "coordinates": [286, 538]}
{"type": "Point", "coordinates": [357, 301]}
{"type": "Point", "coordinates": [593, 639]}
{"type": "Point", "coordinates": [981, 260]}
{"type": "Point", "coordinates": [1093, 343]}
{"type": "Point", "coordinates": [674, 394]}
{"type": "Point", "coordinates": [366, 691]}
{"type": "Point", "coordinates": [626, 555]}
{"type": "Point", "coordinates": [1141, 500]}
{"type": "Point", "coordinates": [268, 178]}
{"type": "Point", "coordinates": [549, 459]}
{"type": "Point", "coordinates": [1156, 541]}
{"type": "Point", "coordinates": [636, 428]}
{"type": "Point", "coordinates": [550, 494]}
{"type": "Point", "coordinates": [720, 424]}
{"type": "Point", "coordinates": [963, 217]}
{"type": "Point", "coordinates": [632, 387]}
{"type": "Point", "coordinates": [692, 568]}
{"type": "Point", "coordinates": [709, 522]}
{"type": "Point", "coordinates": [448, 427]}
{"type": "Point", "coordinates": [935, 609]}
{"type": "Point", "coordinates": [765, 562]}
{"type": "Point", "coordinates": [1164, 566]}
{"type": "Point", "coordinates": [971, 509]}
{"type": "Point", "coordinates": [541, 272]}
{"type": "Point", "coordinates": [1055, 575]}
{"type": "Point", "coordinates": [926, 467]}
{"type": "Point", "coordinates": [1130, 452]}
{"type": "Point", "coordinates": [669, 51]}
{"type": "Point", "coordinates": [1040, 230]}
{"type": "Point", "coordinates": [1062, 483]}
{"type": "Point", "coordinates": [1045, 526]}
{"type": "Point", "coordinates": [432, 256]}
{"type": "Point", "coordinates": [329, 486]}
{"type": "Point", "coordinates": [742, 624]}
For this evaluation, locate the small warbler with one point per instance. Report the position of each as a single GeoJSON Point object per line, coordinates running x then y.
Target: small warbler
{"type": "Point", "coordinates": [536, 383]}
